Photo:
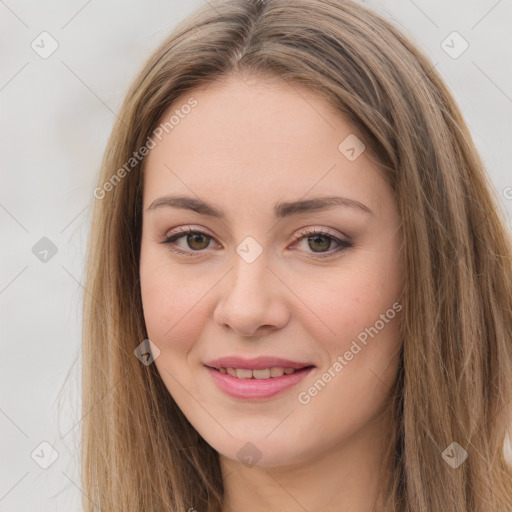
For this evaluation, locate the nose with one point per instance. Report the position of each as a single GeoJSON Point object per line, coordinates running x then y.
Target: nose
{"type": "Point", "coordinates": [252, 299]}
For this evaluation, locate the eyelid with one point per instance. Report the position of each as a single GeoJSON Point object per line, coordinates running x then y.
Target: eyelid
{"type": "Point", "coordinates": [177, 233]}
{"type": "Point", "coordinates": [191, 228]}
{"type": "Point", "coordinates": [312, 230]}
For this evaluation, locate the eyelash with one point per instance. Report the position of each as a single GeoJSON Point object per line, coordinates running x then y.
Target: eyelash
{"type": "Point", "coordinates": [343, 244]}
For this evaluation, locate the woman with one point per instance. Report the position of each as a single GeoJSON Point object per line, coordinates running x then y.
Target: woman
{"type": "Point", "coordinates": [299, 286]}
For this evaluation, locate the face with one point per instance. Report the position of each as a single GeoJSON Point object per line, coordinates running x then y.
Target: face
{"type": "Point", "coordinates": [252, 263]}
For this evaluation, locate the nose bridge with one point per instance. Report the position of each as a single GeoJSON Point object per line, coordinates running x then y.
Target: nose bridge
{"type": "Point", "coordinates": [250, 299]}
{"type": "Point", "coordinates": [250, 273]}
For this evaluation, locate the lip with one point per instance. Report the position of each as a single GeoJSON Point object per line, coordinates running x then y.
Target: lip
{"type": "Point", "coordinates": [258, 363]}
{"type": "Point", "coordinates": [256, 388]}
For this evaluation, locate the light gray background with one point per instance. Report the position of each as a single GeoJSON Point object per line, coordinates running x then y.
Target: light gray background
{"type": "Point", "coordinates": [57, 115]}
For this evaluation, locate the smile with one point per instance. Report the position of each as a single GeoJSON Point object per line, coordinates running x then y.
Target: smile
{"type": "Point", "coordinates": [262, 383]}
{"type": "Point", "coordinates": [265, 373]}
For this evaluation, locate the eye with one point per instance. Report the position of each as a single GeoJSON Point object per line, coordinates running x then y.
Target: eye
{"type": "Point", "coordinates": [195, 239]}
{"type": "Point", "coordinates": [318, 240]}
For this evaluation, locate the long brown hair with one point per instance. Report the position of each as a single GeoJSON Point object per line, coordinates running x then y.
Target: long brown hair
{"type": "Point", "coordinates": [454, 384]}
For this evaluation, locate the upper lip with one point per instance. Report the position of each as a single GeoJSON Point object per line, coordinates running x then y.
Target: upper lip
{"type": "Point", "coordinates": [258, 363]}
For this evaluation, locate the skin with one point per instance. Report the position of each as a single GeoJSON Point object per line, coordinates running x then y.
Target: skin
{"type": "Point", "coordinates": [248, 144]}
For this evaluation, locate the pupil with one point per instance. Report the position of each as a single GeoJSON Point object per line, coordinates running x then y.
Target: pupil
{"type": "Point", "coordinates": [317, 237]}
{"type": "Point", "coordinates": [193, 238]}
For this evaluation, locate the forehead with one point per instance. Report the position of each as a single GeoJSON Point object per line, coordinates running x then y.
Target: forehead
{"type": "Point", "coordinates": [255, 138]}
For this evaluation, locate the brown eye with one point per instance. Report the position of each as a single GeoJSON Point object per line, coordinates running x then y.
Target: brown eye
{"type": "Point", "coordinates": [194, 241]}
{"type": "Point", "coordinates": [197, 241]}
{"type": "Point", "coordinates": [319, 243]}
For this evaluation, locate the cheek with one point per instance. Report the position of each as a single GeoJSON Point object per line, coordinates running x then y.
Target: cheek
{"type": "Point", "coordinates": [361, 311]}
{"type": "Point", "coordinates": [351, 302]}
{"type": "Point", "coordinates": [171, 298]}
{"type": "Point", "coordinates": [361, 348]}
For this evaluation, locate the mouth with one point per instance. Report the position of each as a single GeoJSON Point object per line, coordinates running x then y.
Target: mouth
{"type": "Point", "coordinates": [260, 373]}
{"type": "Point", "coordinates": [260, 383]}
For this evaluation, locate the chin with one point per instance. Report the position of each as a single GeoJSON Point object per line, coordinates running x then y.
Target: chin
{"type": "Point", "coordinates": [262, 453]}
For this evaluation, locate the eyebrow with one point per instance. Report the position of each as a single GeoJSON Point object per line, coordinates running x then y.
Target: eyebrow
{"type": "Point", "coordinates": [281, 209]}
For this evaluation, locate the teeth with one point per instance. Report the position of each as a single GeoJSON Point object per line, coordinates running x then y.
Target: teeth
{"type": "Point", "coordinates": [262, 374]}
{"type": "Point", "coordinates": [243, 373]}
{"type": "Point", "coordinates": [276, 372]}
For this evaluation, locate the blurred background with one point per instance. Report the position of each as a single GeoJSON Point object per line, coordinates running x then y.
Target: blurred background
{"type": "Point", "coordinates": [65, 68]}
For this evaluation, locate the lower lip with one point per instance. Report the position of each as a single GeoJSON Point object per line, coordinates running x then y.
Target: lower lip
{"type": "Point", "coordinates": [256, 388]}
